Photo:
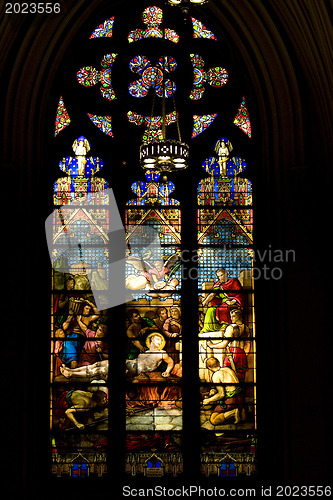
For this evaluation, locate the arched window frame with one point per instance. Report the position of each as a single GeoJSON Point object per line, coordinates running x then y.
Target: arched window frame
{"type": "Point", "coordinates": [200, 122]}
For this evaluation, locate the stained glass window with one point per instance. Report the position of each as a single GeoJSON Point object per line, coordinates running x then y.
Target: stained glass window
{"type": "Point", "coordinates": [79, 341]}
{"type": "Point", "coordinates": [242, 118]}
{"type": "Point", "coordinates": [152, 17]}
{"type": "Point", "coordinates": [62, 117]}
{"type": "Point", "coordinates": [152, 76]}
{"type": "Point", "coordinates": [88, 76]}
{"type": "Point", "coordinates": [201, 123]}
{"type": "Point", "coordinates": [200, 30]}
{"type": "Point", "coordinates": [215, 77]}
{"type": "Point", "coordinates": [154, 328]}
{"type": "Point", "coordinates": [104, 123]}
{"type": "Point", "coordinates": [153, 124]}
{"type": "Point", "coordinates": [104, 30]}
{"type": "Point", "coordinates": [153, 319]}
{"type": "Point", "coordinates": [226, 316]}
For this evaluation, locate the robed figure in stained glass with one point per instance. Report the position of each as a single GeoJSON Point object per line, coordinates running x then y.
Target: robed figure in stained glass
{"type": "Point", "coordinates": [226, 294]}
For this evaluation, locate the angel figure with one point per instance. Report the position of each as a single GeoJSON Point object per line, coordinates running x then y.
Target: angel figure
{"type": "Point", "coordinates": [155, 276]}
{"type": "Point", "coordinates": [81, 147]}
{"type": "Point", "coordinates": [223, 148]}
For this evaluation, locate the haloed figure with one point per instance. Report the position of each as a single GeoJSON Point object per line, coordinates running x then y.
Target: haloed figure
{"type": "Point", "coordinates": [151, 359]}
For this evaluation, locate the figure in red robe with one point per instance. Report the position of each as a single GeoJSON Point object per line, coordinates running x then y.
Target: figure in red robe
{"type": "Point", "coordinates": [226, 295]}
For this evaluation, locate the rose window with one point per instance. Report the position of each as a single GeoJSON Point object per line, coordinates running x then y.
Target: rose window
{"type": "Point", "coordinates": [152, 76]}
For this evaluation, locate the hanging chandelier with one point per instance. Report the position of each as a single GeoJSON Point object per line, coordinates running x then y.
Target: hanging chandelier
{"type": "Point", "coordinates": [185, 5]}
{"type": "Point", "coordinates": [184, 2]}
{"type": "Point", "coordinates": [166, 155]}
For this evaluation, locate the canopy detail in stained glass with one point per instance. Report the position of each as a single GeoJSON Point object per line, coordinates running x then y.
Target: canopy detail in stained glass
{"type": "Point", "coordinates": [152, 17]}
{"type": "Point", "coordinates": [215, 77]}
{"type": "Point", "coordinates": [152, 76]}
{"type": "Point", "coordinates": [242, 118]}
{"type": "Point", "coordinates": [152, 191]}
{"type": "Point", "coordinates": [89, 76]}
{"type": "Point", "coordinates": [201, 123]}
{"type": "Point", "coordinates": [81, 186]}
{"type": "Point", "coordinates": [153, 124]}
{"type": "Point", "coordinates": [200, 30]}
{"type": "Point", "coordinates": [104, 123]}
{"type": "Point", "coordinates": [224, 186]}
{"type": "Point", "coordinates": [104, 30]}
{"type": "Point", "coordinates": [62, 117]}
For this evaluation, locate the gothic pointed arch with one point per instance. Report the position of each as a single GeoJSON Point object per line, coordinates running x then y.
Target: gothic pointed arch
{"type": "Point", "coordinates": [284, 52]}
